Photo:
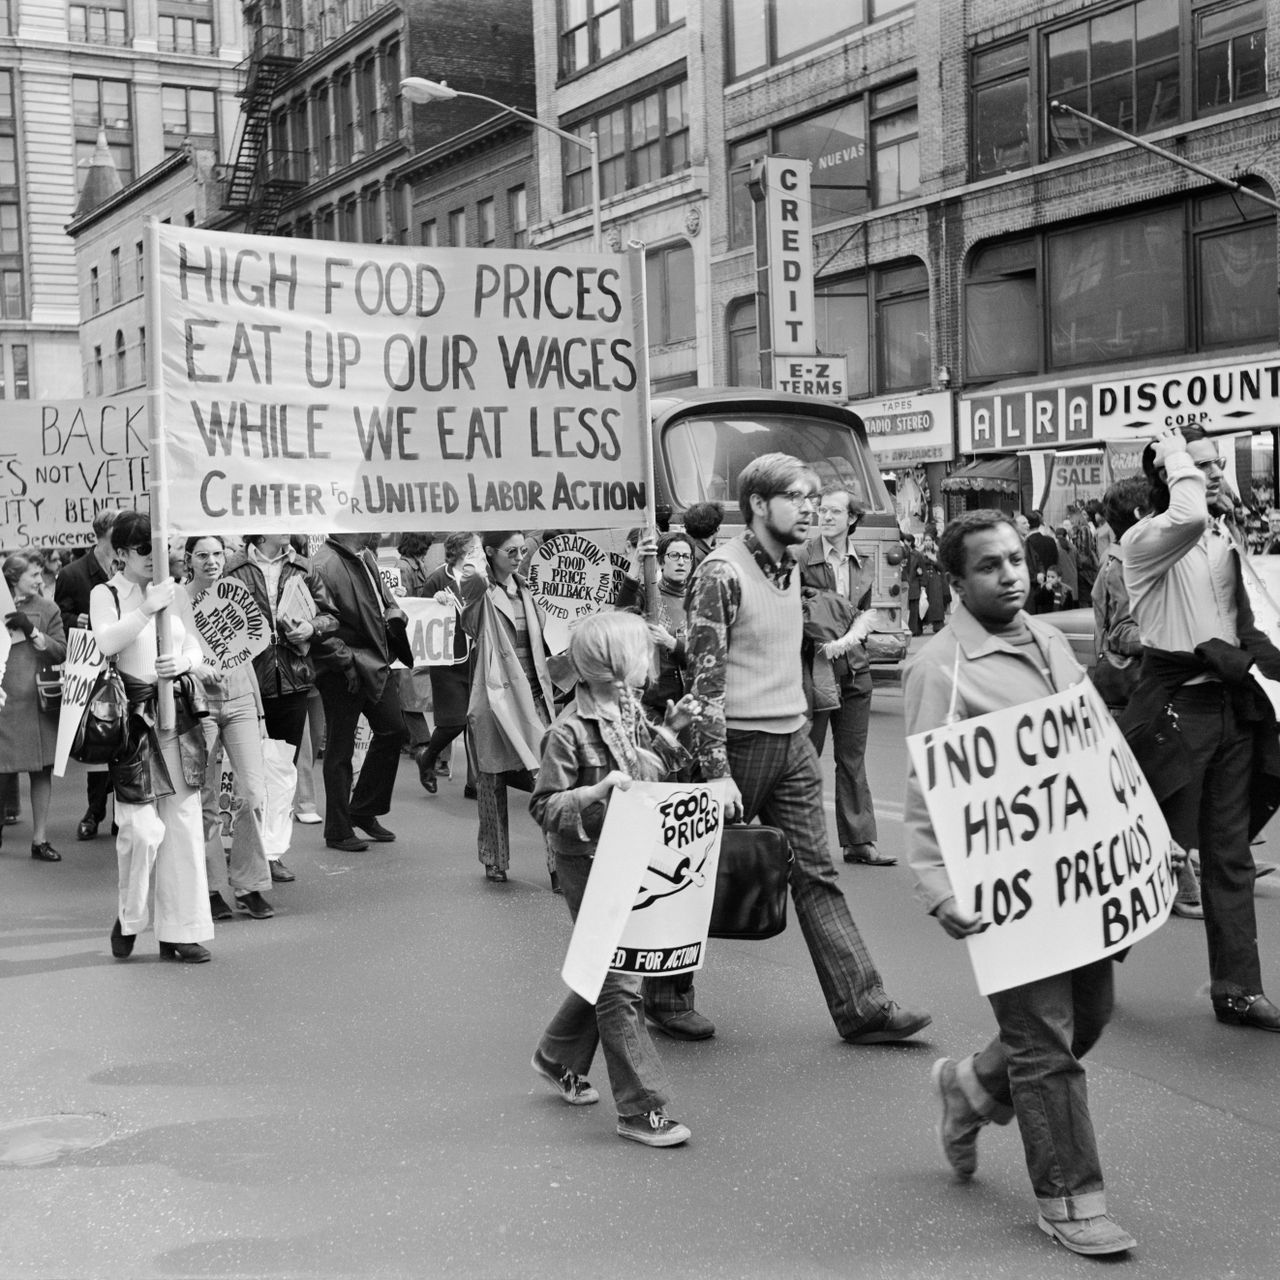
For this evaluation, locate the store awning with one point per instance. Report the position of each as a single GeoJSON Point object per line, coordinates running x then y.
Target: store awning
{"type": "Point", "coordinates": [994, 474]}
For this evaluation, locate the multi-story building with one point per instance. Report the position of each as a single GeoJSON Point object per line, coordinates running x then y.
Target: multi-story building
{"type": "Point", "coordinates": [144, 78]}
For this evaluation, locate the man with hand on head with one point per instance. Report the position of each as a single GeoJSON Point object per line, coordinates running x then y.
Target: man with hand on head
{"type": "Point", "coordinates": [1186, 593]}
{"type": "Point", "coordinates": [993, 655]}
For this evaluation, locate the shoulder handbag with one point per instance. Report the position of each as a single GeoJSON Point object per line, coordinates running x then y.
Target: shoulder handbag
{"type": "Point", "coordinates": [100, 735]}
{"type": "Point", "coordinates": [751, 883]}
{"type": "Point", "coordinates": [49, 686]}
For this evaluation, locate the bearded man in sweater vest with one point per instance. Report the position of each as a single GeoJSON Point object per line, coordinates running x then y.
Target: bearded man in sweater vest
{"type": "Point", "coordinates": [744, 670]}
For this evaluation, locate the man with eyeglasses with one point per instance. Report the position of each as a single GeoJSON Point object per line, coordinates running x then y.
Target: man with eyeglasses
{"type": "Point", "coordinates": [833, 576]}
{"type": "Point", "coordinates": [744, 672]}
{"type": "Point", "coordinates": [1221, 783]}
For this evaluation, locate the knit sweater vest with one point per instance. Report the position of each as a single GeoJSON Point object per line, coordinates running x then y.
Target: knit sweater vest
{"type": "Point", "coordinates": [763, 688]}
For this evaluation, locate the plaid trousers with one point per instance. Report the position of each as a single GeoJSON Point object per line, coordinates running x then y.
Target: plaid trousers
{"type": "Point", "coordinates": [780, 781]}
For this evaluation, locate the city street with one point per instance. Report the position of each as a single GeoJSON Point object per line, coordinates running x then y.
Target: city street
{"type": "Point", "coordinates": [346, 1092]}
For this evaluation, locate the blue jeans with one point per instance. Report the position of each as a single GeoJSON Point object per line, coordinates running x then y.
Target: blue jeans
{"type": "Point", "coordinates": [1033, 1070]}
{"type": "Point", "coordinates": [232, 726]}
{"type": "Point", "coordinates": [615, 1022]}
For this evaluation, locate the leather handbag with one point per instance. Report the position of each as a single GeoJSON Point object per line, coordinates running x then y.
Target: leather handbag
{"type": "Point", "coordinates": [751, 883]}
{"type": "Point", "coordinates": [100, 735]}
{"type": "Point", "coordinates": [49, 686]}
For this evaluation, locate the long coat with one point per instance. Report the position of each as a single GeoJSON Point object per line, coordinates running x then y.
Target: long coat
{"type": "Point", "coordinates": [27, 734]}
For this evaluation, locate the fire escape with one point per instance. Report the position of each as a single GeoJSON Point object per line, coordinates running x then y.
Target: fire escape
{"type": "Point", "coordinates": [263, 176]}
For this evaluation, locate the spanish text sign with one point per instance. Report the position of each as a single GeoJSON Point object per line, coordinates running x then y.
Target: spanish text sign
{"type": "Point", "coordinates": [80, 670]}
{"type": "Point", "coordinates": [316, 386]}
{"type": "Point", "coordinates": [647, 907]}
{"type": "Point", "coordinates": [1049, 832]}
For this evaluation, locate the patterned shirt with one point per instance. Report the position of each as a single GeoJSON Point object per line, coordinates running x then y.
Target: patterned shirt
{"type": "Point", "coordinates": [714, 599]}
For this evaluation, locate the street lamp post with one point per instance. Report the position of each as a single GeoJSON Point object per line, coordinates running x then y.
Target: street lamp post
{"type": "Point", "coordinates": [420, 90]}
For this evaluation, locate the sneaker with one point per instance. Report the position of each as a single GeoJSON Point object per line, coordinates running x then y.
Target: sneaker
{"type": "Point", "coordinates": [654, 1129]}
{"type": "Point", "coordinates": [576, 1090]}
{"type": "Point", "coordinates": [958, 1128]}
{"type": "Point", "coordinates": [308, 817]}
{"type": "Point", "coordinates": [1090, 1236]}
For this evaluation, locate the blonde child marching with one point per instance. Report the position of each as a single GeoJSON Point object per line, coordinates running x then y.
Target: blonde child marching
{"type": "Point", "coordinates": [601, 741]}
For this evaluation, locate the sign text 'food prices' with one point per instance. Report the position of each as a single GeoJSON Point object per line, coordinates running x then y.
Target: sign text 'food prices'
{"type": "Point", "coordinates": [1049, 832]}
{"type": "Point", "coordinates": [318, 386]}
{"type": "Point", "coordinates": [647, 906]}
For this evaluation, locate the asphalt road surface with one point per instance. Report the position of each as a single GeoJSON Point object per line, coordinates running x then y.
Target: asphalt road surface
{"type": "Point", "coordinates": [346, 1091]}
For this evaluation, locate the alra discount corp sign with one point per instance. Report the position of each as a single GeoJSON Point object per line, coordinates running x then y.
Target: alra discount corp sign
{"type": "Point", "coordinates": [313, 386]}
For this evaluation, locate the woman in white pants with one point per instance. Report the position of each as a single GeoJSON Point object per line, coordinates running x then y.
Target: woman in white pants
{"type": "Point", "coordinates": [161, 836]}
{"type": "Point", "coordinates": [233, 727]}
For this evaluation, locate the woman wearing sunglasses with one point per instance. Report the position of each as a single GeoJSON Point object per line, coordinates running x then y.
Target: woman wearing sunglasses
{"type": "Point", "coordinates": [161, 837]}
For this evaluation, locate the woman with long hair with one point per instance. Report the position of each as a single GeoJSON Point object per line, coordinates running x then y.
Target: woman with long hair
{"type": "Point", "coordinates": [29, 733]}
{"type": "Point", "coordinates": [160, 845]}
{"type": "Point", "coordinates": [233, 726]}
{"type": "Point", "coordinates": [504, 620]}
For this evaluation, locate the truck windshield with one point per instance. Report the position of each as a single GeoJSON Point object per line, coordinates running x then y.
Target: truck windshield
{"type": "Point", "coordinates": [705, 454]}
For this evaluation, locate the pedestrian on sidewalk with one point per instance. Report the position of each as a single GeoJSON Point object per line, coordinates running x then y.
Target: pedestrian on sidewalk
{"type": "Point", "coordinates": [1032, 1068]}
{"type": "Point", "coordinates": [604, 740]}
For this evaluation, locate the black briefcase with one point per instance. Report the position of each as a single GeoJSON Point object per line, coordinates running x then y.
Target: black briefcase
{"type": "Point", "coordinates": [751, 884]}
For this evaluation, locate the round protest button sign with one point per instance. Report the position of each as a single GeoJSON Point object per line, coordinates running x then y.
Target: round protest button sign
{"type": "Point", "coordinates": [570, 576]}
{"type": "Point", "coordinates": [230, 625]}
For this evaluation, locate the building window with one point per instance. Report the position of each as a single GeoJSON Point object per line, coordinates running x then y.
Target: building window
{"type": "Point", "coordinates": [21, 372]}
{"type": "Point", "coordinates": [324, 223]}
{"type": "Point", "coordinates": [97, 371]}
{"type": "Point", "coordinates": [115, 277]}
{"type": "Point", "coordinates": [744, 343]}
{"type": "Point", "coordinates": [102, 104]}
{"type": "Point", "coordinates": [518, 217]}
{"type": "Point", "coordinates": [835, 144]}
{"type": "Point", "coordinates": [98, 23]}
{"type": "Point", "coordinates": [185, 27]}
{"type": "Point", "coordinates": [765, 32]}
{"type": "Point", "coordinates": [322, 131]}
{"type": "Point", "coordinates": [95, 292]}
{"type": "Point", "coordinates": [1001, 109]}
{"type": "Point", "coordinates": [12, 260]}
{"type": "Point", "coordinates": [594, 29]}
{"type": "Point", "coordinates": [391, 76]}
{"type": "Point", "coordinates": [1185, 277]}
{"type": "Point", "coordinates": [367, 110]}
{"type": "Point", "coordinates": [344, 121]}
{"type": "Point", "coordinates": [1231, 54]}
{"type": "Point", "coordinates": [348, 230]}
{"type": "Point", "coordinates": [140, 265]}
{"type": "Point", "coordinates": [458, 228]}
{"type": "Point", "coordinates": [122, 379]}
{"type": "Point", "coordinates": [1140, 66]}
{"type": "Point", "coordinates": [895, 142]}
{"type": "Point", "coordinates": [430, 233]}
{"type": "Point", "coordinates": [640, 141]}
{"type": "Point", "coordinates": [188, 113]}
{"type": "Point", "coordinates": [486, 223]}
{"type": "Point", "coordinates": [372, 227]}
{"type": "Point", "coordinates": [880, 322]}
{"type": "Point", "coordinates": [142, 353]}
{"type": "Point", "coordinates": [669, 290]}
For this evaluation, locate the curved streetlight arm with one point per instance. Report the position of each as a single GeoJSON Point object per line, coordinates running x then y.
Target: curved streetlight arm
{"type": "Point", "coordinates": [590, 144]}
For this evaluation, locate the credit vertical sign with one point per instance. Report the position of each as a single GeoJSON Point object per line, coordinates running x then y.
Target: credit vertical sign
{"type": "Point", "coordinates": [784, 260]}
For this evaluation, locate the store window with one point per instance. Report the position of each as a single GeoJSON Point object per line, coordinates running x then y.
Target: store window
{"type": "Point", "coordinates": [1178, 278]}
{"type": "Point", "coordinates": [670, 294]}
{"type": "Point", "coordinates": [591, 30]}
{"type": "Point", "coordinates": [640, 141]}
{"type": "Point", "coordinates": [1139, 66]}
{"type": "Point", "coordinates": [765, 32]}
{"type": "Point", "coordinates": [102, 105]}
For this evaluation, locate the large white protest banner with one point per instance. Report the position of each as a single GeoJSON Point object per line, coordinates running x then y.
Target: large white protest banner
{"type": "Point", "coordinates": [648, 902]}
{"type": "Point", "coordinates": [1049, 832]}
{"type": "Point", "coordinates": [571, 577]}
{"type": "Point", "coordinates": [313, 386]}
{"type": "Point", "coordinates": [79, 671]}
{"type": "Point", "coordinates": [230, 626]}
{"type": "Point", "coordinates": [63, 461]}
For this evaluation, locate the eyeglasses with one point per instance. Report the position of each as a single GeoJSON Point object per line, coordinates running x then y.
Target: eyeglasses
{"type": "Point", "coordinates": [678, 555]}
{"type": "Point", "coordinates": [142, 548]}
{"type": "Point", "coordinates": [799, 497]}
